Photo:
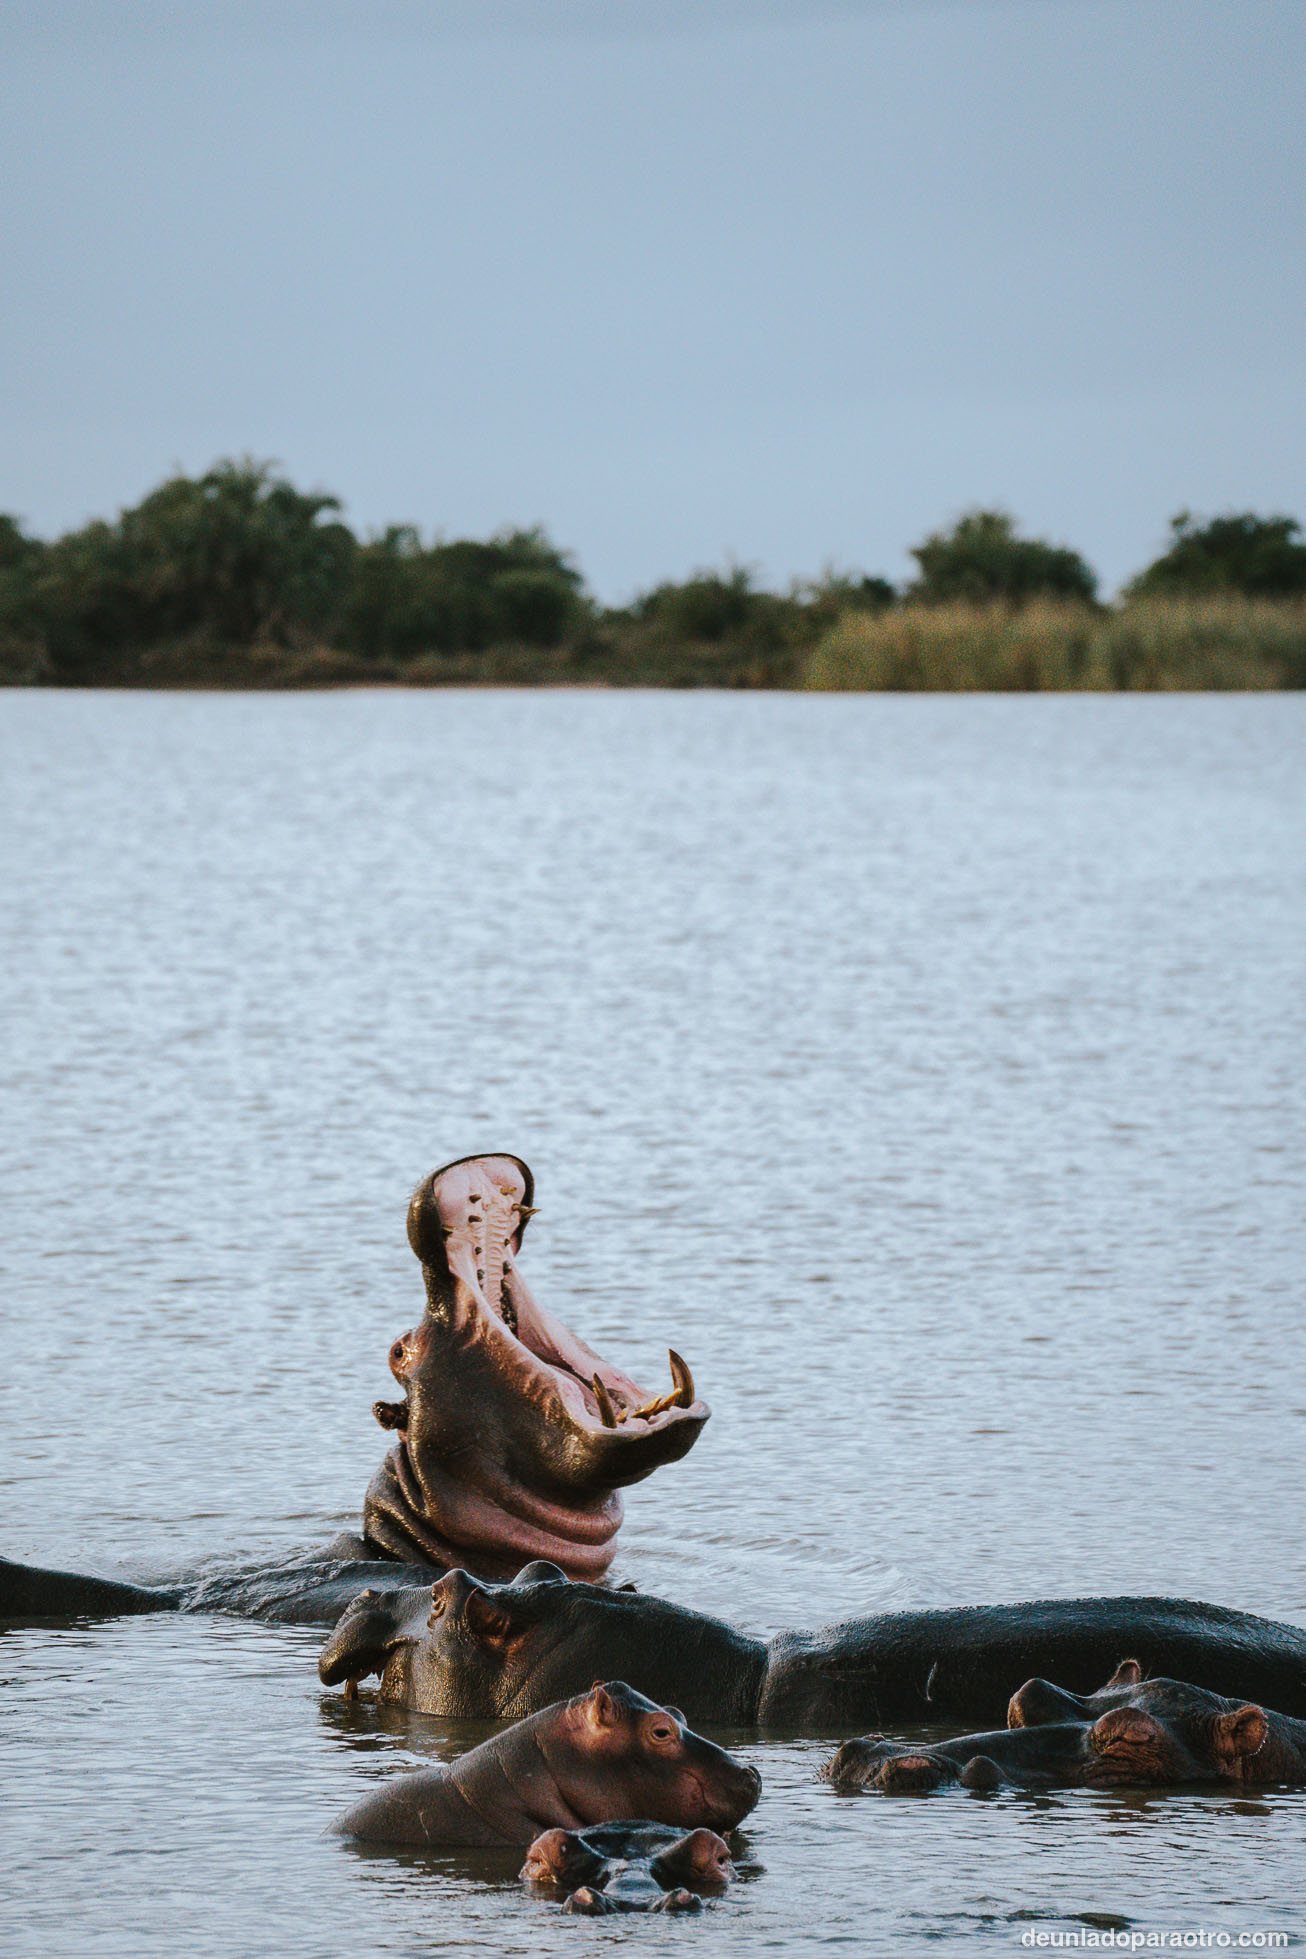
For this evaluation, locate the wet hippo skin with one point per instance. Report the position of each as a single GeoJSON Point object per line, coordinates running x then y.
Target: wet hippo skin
{"type": "Point", "coordinates": [467, 1647]}
{"type": "Point", "coordinates": [629, 1866]}
{"type": "Point", "coordinates": [514, 1436]}
{"type": "Point", "coordinates": [304, 1591]}
{"type": "Point", "coordinates": [601, 1756]}
{"type": "Point", "coordinates": [1231, 1739]}
{"type": "Point", "coordinates": [1147, 1733]}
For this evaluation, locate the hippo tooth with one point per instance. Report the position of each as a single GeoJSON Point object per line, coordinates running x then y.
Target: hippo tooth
{"type": "Point", "coordinates": [684, 1380]}
{"type": "Point", "coordinates": [607, 1413]}
{"type": "Point", "coordinates": [681, 1396]}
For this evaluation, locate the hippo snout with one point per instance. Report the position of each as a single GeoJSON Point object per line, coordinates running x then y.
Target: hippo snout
{"type": "Point", "coordinates": [734, 1796]}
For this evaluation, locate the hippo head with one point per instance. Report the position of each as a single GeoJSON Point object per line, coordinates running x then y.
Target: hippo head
{"type": "Point", "coordinates": [875, 1762]}
{"type": "Point", "coordinates": [1041, 1701]}
{"type": "Point", "coordinates": [634, 1866]}
{"type": "Point", "coordinates": [514, 1436]}
{"type": "Point", "coordinates": [612, 1753]}
{"type": "Point", "coordinates": [471, 1647]}
{"type": "Point", "coordinates": [1180, 1731]}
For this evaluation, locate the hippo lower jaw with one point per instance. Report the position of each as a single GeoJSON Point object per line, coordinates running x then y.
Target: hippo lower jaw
{"type": "Point", "coordinates": [514, 1436]}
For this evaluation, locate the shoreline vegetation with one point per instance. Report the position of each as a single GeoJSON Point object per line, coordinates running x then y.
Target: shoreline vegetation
{"type": "Point", "coordinates": [237, 580]}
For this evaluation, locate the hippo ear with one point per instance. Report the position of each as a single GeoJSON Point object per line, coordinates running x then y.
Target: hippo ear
{"type": "Point", "coordinates": [539, 1573]}
{"type": "Point", "coordinates": [1127, 1674]}
{"type": "Point", "coordinates": [981, 1772]}
{"type": "Point", "coordinates": [363, 1640]}
{"type": "Point", "coordinates": [601, 1708]}
{"type": "Point", "coordinates": [488, 1619]}
{"type": "Point", "coordinates": [1241, 1733]}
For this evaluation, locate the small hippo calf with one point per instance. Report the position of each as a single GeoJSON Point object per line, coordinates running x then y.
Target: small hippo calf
{"type": "Point", "coordinates": [602, 1756]}
{"type": "Point", "coordinates": [635, 1866]}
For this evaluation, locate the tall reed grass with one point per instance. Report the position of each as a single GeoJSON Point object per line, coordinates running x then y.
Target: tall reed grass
{"type": "Point", "coordinates": [1151, 645]}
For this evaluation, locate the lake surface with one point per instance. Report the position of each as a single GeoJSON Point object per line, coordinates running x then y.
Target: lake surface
{"type": "Point", "coordinates": [928, 1071]}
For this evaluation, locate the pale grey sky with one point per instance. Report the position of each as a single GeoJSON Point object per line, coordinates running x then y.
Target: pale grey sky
{"type": "Point", "coordinates": [682, 280]}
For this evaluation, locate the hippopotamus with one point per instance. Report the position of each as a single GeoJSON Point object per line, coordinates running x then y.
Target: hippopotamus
{"type": "Point", "coordinates": [602, 1756]}
{"type": "Point", "coordinates": [1124, 1746]}
{"type": "Point", "coordinates": [467, 1647]}
{"type": "Point", "coordinates": [1234, 1740]}
{"type": "Point", "coordinates": [514, 1438]}
{"type": "Point", "coordinates": [636, 1866]}
{"type": "Point", "coordinates": [1131, 1731]}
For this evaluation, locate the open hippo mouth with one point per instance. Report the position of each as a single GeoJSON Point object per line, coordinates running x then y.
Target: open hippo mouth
{"type": "Point", "coordinates": [514, 1436]}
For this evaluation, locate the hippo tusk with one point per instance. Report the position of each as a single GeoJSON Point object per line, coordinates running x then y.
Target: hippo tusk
{"type": "Point", "coordinates": [681, 1396]}
{"type": "Point", "coordinates": [607, 1413]}
{"type": "Point", "coordinates": [391, 1414]}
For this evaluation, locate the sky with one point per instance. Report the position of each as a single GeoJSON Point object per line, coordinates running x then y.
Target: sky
{"type": "Point", "coordinates": [779, 283]}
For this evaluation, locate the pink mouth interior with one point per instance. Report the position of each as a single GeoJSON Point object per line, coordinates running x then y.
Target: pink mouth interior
{"type": "Point", "coordinates": [482, 1209]}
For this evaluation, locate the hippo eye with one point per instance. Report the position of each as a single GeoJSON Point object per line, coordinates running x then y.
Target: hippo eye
{"type": "Point", "coordinates": [663, 1732]}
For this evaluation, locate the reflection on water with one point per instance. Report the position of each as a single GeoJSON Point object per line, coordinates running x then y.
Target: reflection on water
{"type": "Point", "coordinates": [927, 1071]}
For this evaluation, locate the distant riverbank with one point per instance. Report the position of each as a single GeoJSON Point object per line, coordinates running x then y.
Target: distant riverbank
{"type": "Point", "coordinates": [237, 579]}
{"type": "Point", "coordinates": [1151, 645]}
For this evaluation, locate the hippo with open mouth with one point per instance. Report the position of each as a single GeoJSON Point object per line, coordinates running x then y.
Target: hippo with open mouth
{"type": "Point", "coordinates": [515, 1438]}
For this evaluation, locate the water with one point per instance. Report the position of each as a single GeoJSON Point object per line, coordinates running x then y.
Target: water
{"type": "Point", "coordinates": [927, 1071]}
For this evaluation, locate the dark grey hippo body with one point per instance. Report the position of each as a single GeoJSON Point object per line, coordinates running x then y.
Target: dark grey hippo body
{"type": "Point", "coordinates": [1060, 1752]}
{"type": "Point", "coordinates": [311, 1591]}
{"type": "Point", "coordinates": [1146, 1732]}
{"type": "Point", "coordinates": [629, 1866]}
{"type": "Point", "coordinates": [1230, 1738]}
{"type": "Point", "coordinates": [470, 1648]}
{"type": "Point", "coordinates": [592, 1759]}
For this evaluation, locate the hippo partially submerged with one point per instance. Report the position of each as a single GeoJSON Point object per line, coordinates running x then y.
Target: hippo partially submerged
{"type": "Point", "coordinates": [1148, 1733]}
{"type": "Point", "coordinates": [1232, 1740]}
{"type": "Point", "coordinates": [513, 1440]}
{"type": "Point", "coordinates": [465, 1647]}
{"type": "Point", "coordinates": [602, 1756]}
{"type": "Point", "coordinates": [514, 1436]}
{"type": "Point", "coordinates": [635, 1866]}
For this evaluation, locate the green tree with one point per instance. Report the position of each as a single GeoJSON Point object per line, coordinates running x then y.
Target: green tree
{"type": "Point", "coordinates": [708, 606]}
{"type": "Point", "coordinates": [983, 560]}
{"type": "Point", "coordinates": [408, 598]}
{"type": "Point", "coordinates": [22, 653]}
{"type": "Point", "coordinates": [1260, 557]}
{"type": "Point", "coordinates": [238, 553]}
{"type": "Point", "coordinates": [234, 556]}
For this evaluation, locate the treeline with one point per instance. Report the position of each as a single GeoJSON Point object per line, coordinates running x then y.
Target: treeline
{"type": "Point", "coordinates": [237, 578]}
